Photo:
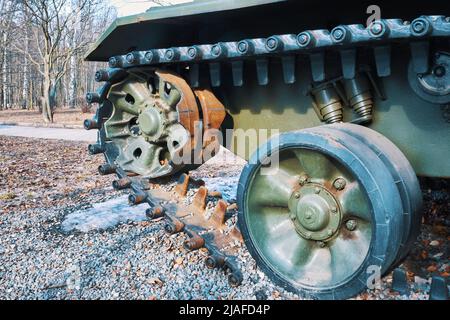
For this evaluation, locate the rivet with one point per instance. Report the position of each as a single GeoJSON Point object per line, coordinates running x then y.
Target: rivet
{"type": "Point", "coordinates": [297, 195]}
{"type": "Point", "coordinates": [317, 190]}
{"type": "Point", "coordinates": [329, 232]}
{"type": "Point", "coordinates": [351, 225]}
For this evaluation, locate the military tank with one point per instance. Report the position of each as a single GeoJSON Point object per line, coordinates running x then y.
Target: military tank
{"type": "Point", "coordinates": [354, 110]}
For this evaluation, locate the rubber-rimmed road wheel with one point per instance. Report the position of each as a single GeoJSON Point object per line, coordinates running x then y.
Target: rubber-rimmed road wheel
{"type": "Point", "coordinates": [322, 221]}
{"type": "Point", "coordinates": [404, 176]}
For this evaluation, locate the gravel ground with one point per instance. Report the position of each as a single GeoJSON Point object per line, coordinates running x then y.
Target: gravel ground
{"type": "Point", "coordinates": [55, 244]}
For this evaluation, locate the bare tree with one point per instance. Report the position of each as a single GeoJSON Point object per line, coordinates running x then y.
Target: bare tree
{"type": "Point", "coordinates": [57, 30]}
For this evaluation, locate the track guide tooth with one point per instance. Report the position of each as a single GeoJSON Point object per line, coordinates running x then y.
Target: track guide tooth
{"type": "Point", "coordinates": [218, 217]}
{"type": "Point", "coordinates": [214, 73]}
{"type": "Point", "coordinates": [288, 65]}
{"type": "Point", "coordinates": [182, 186]}
{"type": "Point", "coordinates": [262, 71]}
{"type": "Point", "coordinates": [199, 200]}
{"type": "Point", "coordinates": [194, 75]}
{"type": "Point", "coordinates": [383, 60]}
{"type": "Point", "coordinates": [318, 66]}
{"type": "Point", "coordinates": [348, 61]}
{"type": "Point", "coordinates": [237, 68]}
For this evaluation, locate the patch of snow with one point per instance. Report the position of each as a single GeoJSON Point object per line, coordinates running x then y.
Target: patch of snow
{"type": "Point", "coordinates": [226, 185]}
{"type": "Point", "coordinates": [104, 215]}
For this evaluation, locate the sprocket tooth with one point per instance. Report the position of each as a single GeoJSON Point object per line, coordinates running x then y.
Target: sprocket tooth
{"type": "Point", "coordinates": [182, 185]}
{"type": "Point", "coordinates": [194, 242]}
{"type": "Point", "coordinates": [200, 198]}
{"type": "Point", "coordinates": [218, 217]}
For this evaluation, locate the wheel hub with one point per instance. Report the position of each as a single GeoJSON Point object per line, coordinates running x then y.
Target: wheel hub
{"type": "Point", "coordinates": [315, 212]}
{"type": "Point", "coordinates": [150, 122]}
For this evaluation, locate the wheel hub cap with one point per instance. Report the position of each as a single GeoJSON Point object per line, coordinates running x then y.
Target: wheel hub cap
{"type": "Point", "coordinates": [150, 121]}
{"type": "Point", "coordinates": [315, 213]}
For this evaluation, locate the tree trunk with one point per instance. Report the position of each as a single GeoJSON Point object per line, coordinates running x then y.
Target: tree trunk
{"type": "Point", "coordinates": [46, 102]}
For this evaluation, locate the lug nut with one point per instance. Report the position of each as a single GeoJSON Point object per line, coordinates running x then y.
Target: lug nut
{"type": "Point", "coordinates": [351, 225]}
{"type": "Point", "coordinates": [303, 180]}
{"type": "Point", "coordinates": [339, 184]}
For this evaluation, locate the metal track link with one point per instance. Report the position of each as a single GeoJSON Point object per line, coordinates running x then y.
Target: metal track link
{"type": "Point", "coordinates": [202, 231]}
{"type": "Point", "coordinates": [345, 39]}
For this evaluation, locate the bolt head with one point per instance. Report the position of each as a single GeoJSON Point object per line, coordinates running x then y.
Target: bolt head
{"type": "Point", "coordinates": [321, 244]}
{"type": "Point", "coordinates": [338, 34]}
{"type": "Point", "coordinates": [170, 54]}
{"type": "Point", "coordinates": [130, 58]}
{"type": "Point", "coordinates": [216, 50]}
{"type": "Point", "coordinates": [303, 39]}
{"type": "Point", "coordinates": [339, 184]}
{"type": "Point", "coordinates": [329, 232]}
{"type": "Point", "coordinates": [351, 225]}
{"type": "Point", "coordinates": [192, 52]}
{"type": "Point", "coordinates": [303, 180]}
{"type": "Point", "coordinates": [242, 47]}
{"type": "Point", "coordinates": [376, 28]}
{"type": "Point", "coordinates": [148, 56]}
{"type": "Point", "coordinates": [334, 210]}
{"type": "Point", "coordinates": [272, 43]}
{"type": "Point", "coordinates": [113, 62]}
{"type": "Point", "coordinates": [317, 190]}
{"type": "Point", "coordinates": [439, 71]}
{"type": "Point", "coordinates": [297, 195]}
{"type": "Point", "coordinates": [418, 26]}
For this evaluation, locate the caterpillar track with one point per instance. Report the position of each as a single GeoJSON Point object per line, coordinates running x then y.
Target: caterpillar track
{"type": "Point", "coordinates": [160, 113]}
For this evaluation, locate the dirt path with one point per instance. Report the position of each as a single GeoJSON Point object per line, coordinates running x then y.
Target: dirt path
{"type": "Point", "coordinates": [48, 133]}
